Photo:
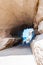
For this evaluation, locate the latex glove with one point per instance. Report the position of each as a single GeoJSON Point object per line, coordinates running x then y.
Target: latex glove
{"type": "Point", "coordinates": [27, 35]}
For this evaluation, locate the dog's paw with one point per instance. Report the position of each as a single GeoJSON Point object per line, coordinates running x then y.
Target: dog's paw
{"type": "Point", "coordinates": [37, 49]}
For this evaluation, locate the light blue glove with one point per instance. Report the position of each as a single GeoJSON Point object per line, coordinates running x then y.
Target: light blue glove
{"type": "Point", "coordinates": [27, 36]}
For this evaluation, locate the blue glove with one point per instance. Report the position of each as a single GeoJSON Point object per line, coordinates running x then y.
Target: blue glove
{"type": "Point", "coordinates": [27, 36]}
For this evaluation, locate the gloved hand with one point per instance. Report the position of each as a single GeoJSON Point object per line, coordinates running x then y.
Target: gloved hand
{"type": "Point", "coordinates": [27, 35]}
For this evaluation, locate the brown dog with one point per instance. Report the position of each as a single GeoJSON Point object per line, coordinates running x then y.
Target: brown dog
{"type": "Point", "coordinates": [14, 13]}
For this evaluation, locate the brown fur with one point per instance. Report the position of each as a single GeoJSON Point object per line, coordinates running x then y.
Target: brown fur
{"type": "Point", "coordinates": [39, 14]}
{"type": "Point", "coordinates": [14, 13]}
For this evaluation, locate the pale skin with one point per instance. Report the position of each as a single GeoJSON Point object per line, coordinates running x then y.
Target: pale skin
{"type": "Point", "coordinates": [15, 13]}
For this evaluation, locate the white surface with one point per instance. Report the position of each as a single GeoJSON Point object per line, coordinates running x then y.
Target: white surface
{"type": "Point", "coordinates": [17, 60]}
{"type": "Point", "coordinates": [17, 56]}
{"type": "Point", "coordinates": [16, 51]}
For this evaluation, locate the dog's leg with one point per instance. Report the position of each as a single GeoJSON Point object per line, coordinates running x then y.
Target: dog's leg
{"type": "Point", "coordinates": [6, 40]}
